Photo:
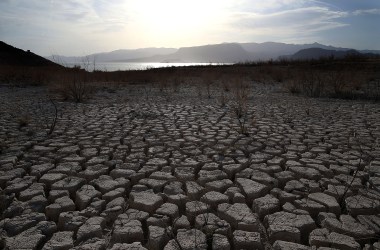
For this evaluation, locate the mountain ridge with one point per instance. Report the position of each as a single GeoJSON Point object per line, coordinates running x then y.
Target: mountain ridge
{"type": "Point", "coordinates": [316, 53]}
{"type": "Point", "coordinates": [274, 50]}
{"type": "Point", "coordinates": [12, 56]}
{"type": "Point", "coordinates": [212, 53]}
{"type": "Point", "coordinates": [113, 56]}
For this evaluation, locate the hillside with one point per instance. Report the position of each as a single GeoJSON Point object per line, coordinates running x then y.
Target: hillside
{"type": "Point", "coordinates": [317, 53]}
{"type": "Point", "coordinates": [216, 53]}
{"type": "Point", "coordinates": [223, 53]}
{"type": "Point", "coordinates": [114, 56]}
{"type": "Point", "coordinates": [272, 50]}
{"type": "Point", "coordinates": [12, 56]}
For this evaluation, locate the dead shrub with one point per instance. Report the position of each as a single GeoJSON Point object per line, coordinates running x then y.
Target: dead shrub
{"type": "Point", "coordinates": [223, 99]}
{"type": "Point", "coordinates": [293, 86]}
{"type": "Point", "coordinates": [73, 85]}
{"type": "Point", "coordinates": [176, 83]}
{"type": "Point", "coordinates": [23, 121]}
{"type": "Point", "coordinates": [313, 83]}
{"type": "Point", "coordinates": [209, 79]}
{"type": "Point", "coordinates": [226, 83]}
{"type": "Point", "coordinates": [337, 80]}
{"type": "Point", "coordinates": [3, 145]}
{"type": "Point", "coordinates": [372, 89]}
{"type": "Point", "coordinates": [240, 105]}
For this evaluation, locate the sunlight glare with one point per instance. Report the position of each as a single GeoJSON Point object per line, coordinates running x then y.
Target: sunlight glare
{"type": "Point", "coordinates": [168, 16]}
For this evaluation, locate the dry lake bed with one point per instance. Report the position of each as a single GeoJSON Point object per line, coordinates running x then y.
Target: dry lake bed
{"type": "Point", "coordinates": [134, 167]}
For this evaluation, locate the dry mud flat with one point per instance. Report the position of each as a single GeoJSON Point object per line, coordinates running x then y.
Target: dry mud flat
{"type": "Point", "coordinates": [142, 169]}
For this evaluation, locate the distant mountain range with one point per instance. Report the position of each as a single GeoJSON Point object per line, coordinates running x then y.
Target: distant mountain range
{"type": "Point", "coordinates": [114, 56]}
{"type": "Point", "coordinates": [316, 53]}
{"type": "Point", "coordinates": [11, 56]}
{"type": "Point", "coordinates": [215, 53]}
{"type": "Point", "coordinates": [218, 53]}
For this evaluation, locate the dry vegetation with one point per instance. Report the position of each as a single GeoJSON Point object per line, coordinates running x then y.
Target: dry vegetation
{"type": "Point", "coordinates": [351, 78]}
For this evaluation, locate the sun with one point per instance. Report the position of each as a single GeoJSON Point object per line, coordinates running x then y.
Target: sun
{"type": "Point", "coordinates": [176, 16]}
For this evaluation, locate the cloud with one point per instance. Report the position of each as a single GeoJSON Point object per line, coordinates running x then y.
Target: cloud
{"type": "Point", "coordinates": [107, 28]}
{"type": "Point", "coordinates": [367, 12]}
{"type": "Point", "coordinates": [111, 9]}
{"type": "Point", "coordinates": [74, 16]}
{"type": "Point", "coordinates": [99, 25]}
{"type": "Point", "coordinates": [293, 22]}
{"type": "Point", "coordinates": [34, 12]}
{"type": "Point", "coordinates": [65, 17]}
{"type": "Point", "coordinates": [268, 5]}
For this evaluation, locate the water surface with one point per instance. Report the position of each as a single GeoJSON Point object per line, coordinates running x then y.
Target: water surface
{"type": "Point", "coordinates": [115, 66]}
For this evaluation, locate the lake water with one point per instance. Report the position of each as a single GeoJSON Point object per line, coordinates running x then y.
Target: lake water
{"type": "Point", "coordinates": [115, 66]}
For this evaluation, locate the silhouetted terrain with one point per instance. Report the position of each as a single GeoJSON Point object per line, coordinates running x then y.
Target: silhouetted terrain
{"type": "Point", "coordinates": [316, 53]}
{"type": "Point", "coordinates": [333, 73]}
{"type": "Point", "coordinates": [226, 53]}
{"type": "Point", "coordinates": [222, 53]}
{"type": "Point", "coordinates": [12, 56]}
{"type": "Point", "coordinates": [114, 56]}
{"type": "Point", "coordinates": [19, 67]}
{"type": "Point", "coordinates": [272, 50]}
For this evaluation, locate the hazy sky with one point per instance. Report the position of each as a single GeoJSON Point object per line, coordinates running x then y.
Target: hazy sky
{"type": "Point", "coordinates": [80, 27]}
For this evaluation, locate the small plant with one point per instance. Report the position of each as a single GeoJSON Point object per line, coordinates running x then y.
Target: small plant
{"type": "Point", "coordinates": [337, 80]}
{"type": "Point", "coordinates": [23, 121]}
{"type": "Point", "coordinates": [54, 121]}
{"type": "Point", "coordinates": [226, 87]}
{"type": "Point", "coordinates": [176, 84]}
{"type": "Point", "coordinates": [364, 159]}
{"type": "Point", "coordinates": [3, 145]}
{"type": "Point", "coordinates": [77, 88]}
{"type": "Point", "coordinates": [147, 92]}
{"type": "Point", "coordinates": [209, 78]}
{"type": "Point", "coordinates": [73, 84]}
{"type": "Point", "coordinates": [223, 99]}
{"type": "Point", "coordinates": [313, 83]}
{"type": "Point", "coordinates": [162, 85]}
{"type": "Point", "coordinates": [240, 106]}
{"type": "Point", "coordinates": [372, 90]}
{"type": "Point", "coordinates": [293, 86]}
{"type": "Point", "coordinates": [47, 116]}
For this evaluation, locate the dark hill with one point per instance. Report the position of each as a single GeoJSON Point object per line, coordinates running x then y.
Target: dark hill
{"type": "Point", "coordinates": [114, 56]}
{"type": "Point", "coordinates": [273, 50]}
{"type": "Point", "coordinates": [11, 56]}
{"type": "Point", "coordinates": [215, 53]}
{"type": "Point", "coordinates": [317, 53]}
{"type": "Point", "coordinates": [227, 52]}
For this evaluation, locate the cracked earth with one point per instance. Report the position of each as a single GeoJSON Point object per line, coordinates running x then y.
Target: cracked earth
{"type": "Point", "coordinates": [134, 168]}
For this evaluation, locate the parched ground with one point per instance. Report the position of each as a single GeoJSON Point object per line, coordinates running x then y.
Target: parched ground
{"type": "Point", "coordinates": [137, 168]}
